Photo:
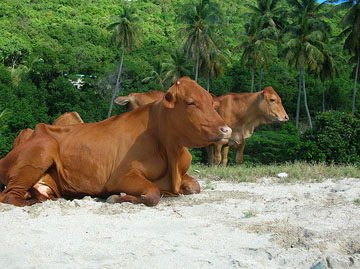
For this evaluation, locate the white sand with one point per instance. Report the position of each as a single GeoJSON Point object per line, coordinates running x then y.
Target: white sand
{"type": "Point", "coordinates": [245, 225]}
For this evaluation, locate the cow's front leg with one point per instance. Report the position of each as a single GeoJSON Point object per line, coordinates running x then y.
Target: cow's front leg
{"type": "Point", "coordinates": [210, 154]}
{"type": "Point", "coordinates": [224, 155]}
{"type": "Point", "coordinates": [217, 154]}
{"type": "Point", "coordinates": [137, 188]}
{"type": "Point", "coordinates": [189, 185]}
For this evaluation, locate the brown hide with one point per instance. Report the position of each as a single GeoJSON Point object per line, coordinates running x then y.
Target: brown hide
{"type": "Point", "coordinates": [135, 100]}
{"type": "Point", "coordinates": [46, 187]}
{"type": "Point", "coordinates": [67, 118]}
{"type": "Point", "coordinates": [22, 137]}
{"type": "Point", "coordinates": [243, 112]}
{"type": "Point", "coordinates": [141, 153]}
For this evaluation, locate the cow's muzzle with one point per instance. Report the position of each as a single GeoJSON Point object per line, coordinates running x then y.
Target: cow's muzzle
{"type": "Point", "coordinates": [282, 118]}
{"type": "Point", "coordinates": [223, 137]}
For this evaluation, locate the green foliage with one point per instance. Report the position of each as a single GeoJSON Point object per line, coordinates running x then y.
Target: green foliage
{"type": "Point", "coordinates": [45, 44]}
{"type": "Point", "coordinates": [3, 115]}
{"type": "Point", "coordinates": [196, 155]}
{"type": "Point", "coordinates": [276, 145]}
{"type": "Point", "coordinates": [334, 138]}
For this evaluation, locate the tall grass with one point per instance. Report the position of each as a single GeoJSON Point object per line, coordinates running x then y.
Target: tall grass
{"type": "Point", "coordinates": [298, 171]}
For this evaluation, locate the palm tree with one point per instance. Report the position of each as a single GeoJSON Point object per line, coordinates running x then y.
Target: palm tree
{"type": "Point", "coordinates": [272, 15]}
{"type": "Point", "coordinates": [201, 20]}
{"type": "Point", "coordinates": [213, 65]}
{"type": "Point", "coordinates": [272, 20]}
{"type": "Point", "coordinates": [157, 74]}
{"type": "Point", "coordinates": [176, 66]}
{"type": "Point", "coordinates": [351, 32]}
{"type": "Point", "coordinates": [327, 70]}
{"type": "Point", "coordinates": [126, 35]}
{"type": "Point", "coordinates": [304, 43]}
{"type": "Point", "coordinates": [255, 44]}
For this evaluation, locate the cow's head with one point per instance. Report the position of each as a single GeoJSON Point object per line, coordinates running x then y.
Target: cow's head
{"type": "Point", "coordinates": [270, 105]}
{"type": "Point", "coordinates": [191, 114]}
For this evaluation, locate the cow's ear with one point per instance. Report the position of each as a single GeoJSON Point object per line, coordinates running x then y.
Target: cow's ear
{"type": "Point", "coordinates": [216, 102]}
{"type": "Point", "coordinates": [168, 100]}
{"type": "Point", "coordinates": [261, 96]}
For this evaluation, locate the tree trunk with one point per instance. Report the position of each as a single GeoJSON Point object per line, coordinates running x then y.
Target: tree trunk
{"type": "Point", "coordinates": [252, 78]}
{"type": "Point", "coordinates": [117, 80]}
{"type": "Point", "coordinates": [356, 77]}
{"type": "Point", "coordinates": [298, 102]}
{"type": "Point", "coordinates": [13, 63]}
{"type": "Point", "coordinates": [208, 81]}
{"type": "Point", "coordinates": [323, 96]}
{"type": "Point", "coordinates": [305, 100]}
{"type": "Point", "coordinates": [197, 65]}
{"type": "Point", "coordinates": [261, 72]}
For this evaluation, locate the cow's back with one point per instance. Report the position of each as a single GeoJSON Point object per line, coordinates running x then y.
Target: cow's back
{"type": "Point", "coordinates": [234, 107]}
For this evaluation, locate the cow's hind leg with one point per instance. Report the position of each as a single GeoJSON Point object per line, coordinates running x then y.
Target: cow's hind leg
{"type": "Point", "coordinates": [240, 153]}
{"type": "Point", "coordinates": [28, 163]}
{"type": "Point", "coordinates": [138, 189]}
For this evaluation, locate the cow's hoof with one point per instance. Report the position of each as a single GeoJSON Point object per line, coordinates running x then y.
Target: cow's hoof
{"type": "Point", "coordinates": [114, 199]}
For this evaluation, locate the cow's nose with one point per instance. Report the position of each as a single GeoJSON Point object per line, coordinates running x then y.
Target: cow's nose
{"type": "Point", "coordinates": [226, 131]}
{"type": "Point", "coordinates": [286, 117]}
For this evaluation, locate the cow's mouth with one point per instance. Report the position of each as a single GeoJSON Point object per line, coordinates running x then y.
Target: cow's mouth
{"type": "Point", "coordinates": [280, 119]}
{"type": "Point", "coordinates": [219, 140]}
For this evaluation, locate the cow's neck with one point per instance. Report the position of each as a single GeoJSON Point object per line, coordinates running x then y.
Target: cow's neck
{"type": "Point", "coordinates": [174, 148]}
{"type": "Point", "coordinates": [249, 120]}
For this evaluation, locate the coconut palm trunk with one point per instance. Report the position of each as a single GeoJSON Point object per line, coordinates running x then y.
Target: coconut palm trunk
{"type": "Point", "coordinates": [323, 96]}
{"type": "Point", "coordinates": [117, 85]}
{"type": "Point", "coordinates": [298, 102]}
{"type": "Point", "coordinates": [197, 65]}
{"type": "Point", "coordinates": [356, 77]}
{"type": "Point", "coordinates": [208, 81]}
{"type": "Point", "coordinates": [305, 99]}
{"type": "Point", "coordinates": [252, 78]}
{"type": "Point", "coordinates": [261, 73]}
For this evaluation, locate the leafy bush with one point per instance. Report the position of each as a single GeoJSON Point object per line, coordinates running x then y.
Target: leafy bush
{"type": "Point", "coordinates": [334, 138]}
{"type": "Point", "coordinates": [279, 144]}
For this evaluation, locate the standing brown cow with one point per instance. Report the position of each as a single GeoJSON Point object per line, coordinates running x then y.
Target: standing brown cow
{"type": "Point", "coordinates": [141, 153]}
{"type": "Point", "coordinates": [243, 112]}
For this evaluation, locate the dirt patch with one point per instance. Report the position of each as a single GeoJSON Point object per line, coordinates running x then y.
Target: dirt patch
{"type": "Point", "coordinates": [227, 225]}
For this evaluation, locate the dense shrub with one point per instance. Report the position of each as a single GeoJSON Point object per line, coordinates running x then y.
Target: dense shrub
{"type": "Point", "coordinates": [334, 138]}
{"type": "Point", "coordinates": [273, 144]}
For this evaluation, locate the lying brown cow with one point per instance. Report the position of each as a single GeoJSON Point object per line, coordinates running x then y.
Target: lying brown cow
{"type": "Point", "coordinates": [135, 100]}
{"type": "Point", "coordinates": [141, 153]}
{"type": "Point", "coordinates": [67, 118]}
{"type": "Point", "coordinates": [243, 112]}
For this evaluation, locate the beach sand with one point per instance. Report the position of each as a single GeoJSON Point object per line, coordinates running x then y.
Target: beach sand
{"type": "Point", "coordinates": [228, 225]}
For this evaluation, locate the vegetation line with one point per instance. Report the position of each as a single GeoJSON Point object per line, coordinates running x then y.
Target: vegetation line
{"type": "Point", "coordinates": [297, 172]}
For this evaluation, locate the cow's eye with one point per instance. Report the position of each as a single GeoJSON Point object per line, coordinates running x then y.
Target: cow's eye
{"type": "Point", "coordinates": [190, 103]}
{"type": "Point", "coordinates": [272, 100]}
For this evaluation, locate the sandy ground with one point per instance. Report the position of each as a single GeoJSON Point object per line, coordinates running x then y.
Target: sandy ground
{"type": "Point", "coordinates": [228, 225]}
